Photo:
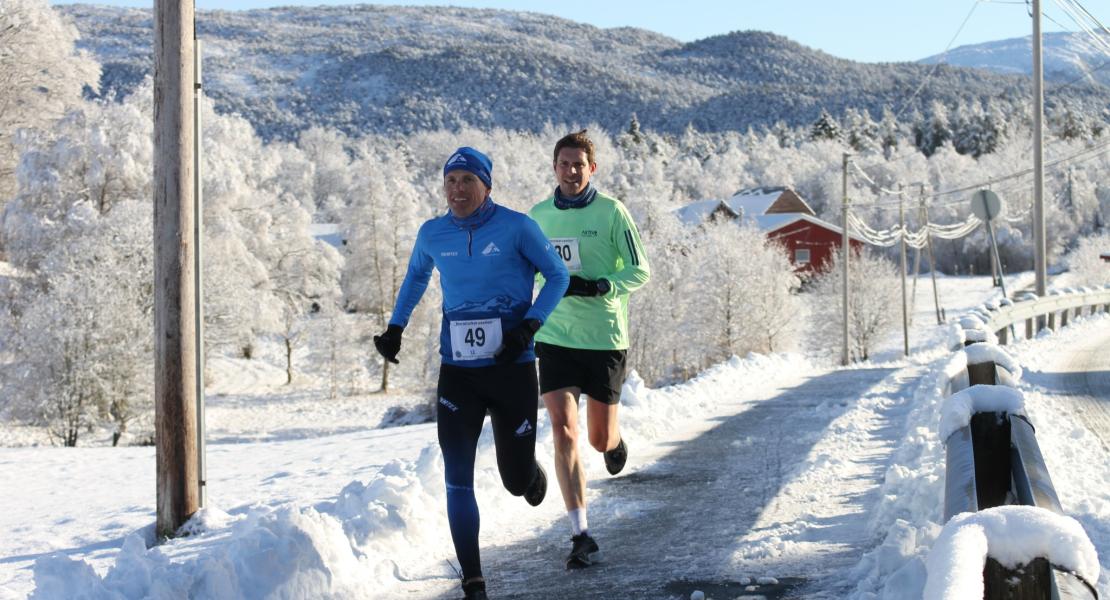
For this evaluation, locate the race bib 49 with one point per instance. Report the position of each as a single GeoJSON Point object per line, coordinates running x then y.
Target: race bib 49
{"type": "Point", "coordinates": [472, 340]}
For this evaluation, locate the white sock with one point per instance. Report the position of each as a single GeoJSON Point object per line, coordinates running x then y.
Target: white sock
{"type": "Point", "coordinates": [577, 520]}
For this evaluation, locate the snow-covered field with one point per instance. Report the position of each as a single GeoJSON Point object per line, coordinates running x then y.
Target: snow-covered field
{"type": "Point", "coordinates": [307, 499]}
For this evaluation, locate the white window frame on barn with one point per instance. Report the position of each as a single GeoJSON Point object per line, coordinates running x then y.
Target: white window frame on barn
{"type": "Point", "coordinates": [801, 256]}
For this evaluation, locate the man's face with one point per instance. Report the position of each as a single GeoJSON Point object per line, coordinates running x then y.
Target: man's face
{"type": "Point", "coordinates": [464, 192]}
{"type": "Point", "coordinates": [573, 170]}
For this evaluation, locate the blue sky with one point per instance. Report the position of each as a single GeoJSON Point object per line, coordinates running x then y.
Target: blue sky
{"type": "Point", "coordinates": [866, 30]}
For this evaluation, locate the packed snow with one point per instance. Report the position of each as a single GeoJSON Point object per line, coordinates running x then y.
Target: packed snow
{"type": "Point", "coordinates": [1012, 535]}
{"type": "Point", "coordinates": [958, 408]}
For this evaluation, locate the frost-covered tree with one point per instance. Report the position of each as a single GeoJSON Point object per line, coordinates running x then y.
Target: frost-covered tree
{"type": "Point", "coordinates": [328, 151]}
{"type": "Point", "coordinates": [872, 309]}
{"type": "Point", "coordinates": [749, 284]}
{"type": "Point", "coordinates": [889, 133]}
{"type": "Point", "coordinates": [658, 312]}
{"type": "Point", "coordinates": [934, 131]}
{"type": "Point", "coordinates": [261, 263]}
{"type": "Point", "coordinates": [304, 276]}
{"type": "Point", "coordinates": [975, 131]}
{"type": "Point", "coordinates": [1072, 125]}
{"type": "Point", "coordinates": [41, 76]}
{"type": "Point", "coordinates": [384, 215]}
{"type": "Point", "coordinates": [79, 230]}
{"type": "Point", "coordinates": [82, 334]}
{"type": "Point", "coordinates": [1086, 264]}
{"type": "Point", "coordinates": [862, 132]}
{"type": "Point", "coordinates": [825, 128]}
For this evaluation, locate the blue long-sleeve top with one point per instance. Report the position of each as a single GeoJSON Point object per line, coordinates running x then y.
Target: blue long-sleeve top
{"type": "Point", "coordinates": [487, 265]}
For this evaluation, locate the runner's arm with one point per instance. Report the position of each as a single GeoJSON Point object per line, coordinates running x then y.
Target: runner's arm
{"type": "Point", "coordinates": [535, 246]}
{"type": "Point", "coordinates": [415, 283]}
{"type": "Point", "coordinates": [626, 238]}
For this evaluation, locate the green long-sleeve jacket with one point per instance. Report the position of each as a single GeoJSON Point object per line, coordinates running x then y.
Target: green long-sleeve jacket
{"type": "Point", "coordinates": [597, 241]}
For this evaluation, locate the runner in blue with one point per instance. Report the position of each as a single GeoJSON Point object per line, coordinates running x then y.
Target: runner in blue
{"type": "Point", "coordinates": [487, 257]}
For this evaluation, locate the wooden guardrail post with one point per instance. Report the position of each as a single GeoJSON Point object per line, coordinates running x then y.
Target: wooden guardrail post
{"type": "Point", "coordinates": [1026, 582]}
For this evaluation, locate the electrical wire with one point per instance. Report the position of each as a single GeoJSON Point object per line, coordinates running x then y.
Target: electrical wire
{"type": "Point", "coordinates": [873, 183]}
{"type": "Point", "coordinates": [1077, 12]}
{"type": "Point", "coordinates": [939, 62]}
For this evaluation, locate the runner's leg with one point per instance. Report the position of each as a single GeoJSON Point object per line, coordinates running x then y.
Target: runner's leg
{"type": "Point", "coordinates": [603, 423]}
{"type": "Point", "coordinates": [513, 408]}
{"type": "Point", "coordinates": [562, 412]}
{"type": "Point", "coordinates": [460, 418]}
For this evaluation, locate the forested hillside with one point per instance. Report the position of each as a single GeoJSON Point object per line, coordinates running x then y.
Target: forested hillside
{"type": "Point", "coordinates": [404, 69]}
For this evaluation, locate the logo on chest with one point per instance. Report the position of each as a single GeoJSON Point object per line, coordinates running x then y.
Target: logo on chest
{"type": "Point", "coordinates": [589, 233]}
{"type": "Point", "coordinates": [491, 250]}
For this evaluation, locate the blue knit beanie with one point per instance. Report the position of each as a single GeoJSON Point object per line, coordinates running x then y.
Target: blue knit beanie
{"type": "Point", "coordinates": [469, 159]}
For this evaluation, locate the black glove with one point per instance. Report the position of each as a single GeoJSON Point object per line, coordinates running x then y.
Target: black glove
{"type": "Point", "coordinates": [587, 287]}
{"type": "Point", "coordinates": [389, 343]}
{"type": "Point", "coordinates": [516, 341]}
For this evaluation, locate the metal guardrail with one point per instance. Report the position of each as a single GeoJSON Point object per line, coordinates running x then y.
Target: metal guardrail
{"type": "Point", "coordinates": [1051, 305]}
{"type": "Point", "coordinates": [995, 460]}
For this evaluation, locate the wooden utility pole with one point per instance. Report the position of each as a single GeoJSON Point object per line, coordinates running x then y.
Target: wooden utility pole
{"type": "Point", "coordinates": [905, 308]}
{"type": "Point", "coordinates": [174, 272]}
{"type": "Point", "coordinates": [1039, 234]}
{"type": "Point", "coordinates": [846, 252]}
{"type": "Point", "coordinates": [198, 262]}
{"type": "Point", "coordinates": [932, 261]}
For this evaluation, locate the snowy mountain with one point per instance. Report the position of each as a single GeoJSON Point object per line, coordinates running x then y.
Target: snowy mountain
{"type": "Point", "coordinates": [1068, 56]}
{"type": "Point", "coordinates": [403, 69]}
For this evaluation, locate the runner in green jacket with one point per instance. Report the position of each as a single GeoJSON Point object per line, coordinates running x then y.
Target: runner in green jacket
{"type": "Point", "coordinates": [583, 344]}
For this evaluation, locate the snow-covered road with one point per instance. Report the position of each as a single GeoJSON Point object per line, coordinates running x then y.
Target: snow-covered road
{"type": "Point", "coordinates": [1081, 375]}
{"type": "Point", "coordinates": [729, 509]}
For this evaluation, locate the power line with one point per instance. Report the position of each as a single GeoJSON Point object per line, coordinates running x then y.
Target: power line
{"type": "Point", "coordinates": [1090, 16]}
{"type": "Point", "coordinates": [1083, 76]}
{"type": "Point", "coordinates": [939, 61]}
{"type": "Point", "coordinates": [1103, 147]}
{"type": "Point", "coordinates": [1093, 151]}
{"type": "Point", "coordinates": [1080, 15]}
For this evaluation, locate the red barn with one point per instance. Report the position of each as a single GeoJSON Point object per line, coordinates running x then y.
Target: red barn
{"type": "Point", "coordinates": [782, 214]}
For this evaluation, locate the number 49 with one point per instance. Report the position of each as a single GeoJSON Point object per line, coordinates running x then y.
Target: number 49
{"type": "Point", "coordinates": [475, 337]}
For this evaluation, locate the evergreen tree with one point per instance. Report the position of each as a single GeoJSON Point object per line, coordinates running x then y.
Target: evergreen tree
{"type": "Point", "coordinates": [1072, 126]}
{"type": "Point", "coordinates": [934, 131]}
{"type": "Point", "coordinates": [862, 132]}
{"type": "Point", "coordinates": [825, 128]}
{"type": "Point", "coordinates": [888, 133]}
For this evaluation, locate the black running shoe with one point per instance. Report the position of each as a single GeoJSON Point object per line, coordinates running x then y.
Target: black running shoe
{"type": "Point", "coordinates": [475, 590]}
{"type": "Point", "coordinates": [538, 488]}
{"type": "Point", "coordinates": [581, 554]}
{"type": "Point", "coordinates": [615, 458]}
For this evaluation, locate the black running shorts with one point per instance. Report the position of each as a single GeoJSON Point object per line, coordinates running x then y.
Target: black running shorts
{"type": "Point", "coordinates": [598, 373]}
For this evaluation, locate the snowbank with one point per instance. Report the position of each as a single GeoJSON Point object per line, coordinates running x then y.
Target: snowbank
{"type": "Point", "coordinates": [980, 353]}
{"type": "Point", "coordinates": [346, 548]}
{"type": "Point", "coordinates": [909, 515]}
{"type": "Point", "coordinates": [370, 536]}
{"type": "Point", "coordinates": [958, 408]}
{"type": "Point", "coordinates": [1012, 535]}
